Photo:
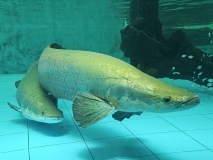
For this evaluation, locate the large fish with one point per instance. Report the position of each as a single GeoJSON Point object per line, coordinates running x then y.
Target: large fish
{"type": "Point", "coordinates": [98, 84]}
{"type": "Point", "coordinates": [35, 103]}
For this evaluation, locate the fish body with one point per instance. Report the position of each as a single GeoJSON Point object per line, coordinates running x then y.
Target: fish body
{"type": "Point", "coordinates": [98, 84]}
{"type": "Point", "coordinates": [35, 103]}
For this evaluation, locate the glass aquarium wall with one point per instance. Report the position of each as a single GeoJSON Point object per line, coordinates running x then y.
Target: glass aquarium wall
{"type": "Point", "coordinates": [193, 16]}
{"type": "Point", "coordinates": [171, 40]}
{"type": "Point", "coordinates": [27, 27]}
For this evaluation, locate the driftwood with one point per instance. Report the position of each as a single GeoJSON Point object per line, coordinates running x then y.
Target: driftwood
{"type": "Point", "coordinates": [148, 50]}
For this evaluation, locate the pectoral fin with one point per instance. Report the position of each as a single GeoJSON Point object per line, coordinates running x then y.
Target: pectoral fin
{"type": "Point", "coordinates": [122, 115]}
{"type": "Point", "coordinates": [14, 107]}
{"type": "Point", "coordinates": [89, 109]}
{"type": "Point", "coordinates": [54, 99]}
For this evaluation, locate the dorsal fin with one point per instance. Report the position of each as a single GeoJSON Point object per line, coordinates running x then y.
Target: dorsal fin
{"type": "Point", "coordinates": [17, 83]}
{"type": "Point", "coordinates": [56, 46]}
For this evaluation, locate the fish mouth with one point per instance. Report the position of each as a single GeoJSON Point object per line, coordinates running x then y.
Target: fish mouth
{"type": "Point", "coordinates": [44, 119]}
{"type": "Point", "coordinates": [41, 118]}
{"type": "Point", "coordinates": [190, 102]}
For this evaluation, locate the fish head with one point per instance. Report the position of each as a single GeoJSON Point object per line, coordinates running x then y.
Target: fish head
{"type": "Point", "coordinates": [41, 111]}
{"type": "Point", "coordinates": [165, 98]}
{"type": "Point", "coordinates": [157, 96]}
{"type": "Point", "coordinates": [173, 99]}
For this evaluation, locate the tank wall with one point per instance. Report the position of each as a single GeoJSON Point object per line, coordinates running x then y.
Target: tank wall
{"type": "Point", "coordinates": [27, 27]}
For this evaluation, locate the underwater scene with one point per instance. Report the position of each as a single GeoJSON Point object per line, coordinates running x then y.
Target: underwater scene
{"type": "Point", "coordinates": [106, 80]}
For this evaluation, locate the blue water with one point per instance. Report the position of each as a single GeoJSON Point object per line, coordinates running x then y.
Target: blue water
{"type": "Point", "coordinates": [183, 135]}
{"type": "Point", "coordinates": [27, 27]}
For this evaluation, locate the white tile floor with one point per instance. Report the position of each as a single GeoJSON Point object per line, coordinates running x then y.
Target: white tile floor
{"type": "Point", "coordinates": [181, 135]}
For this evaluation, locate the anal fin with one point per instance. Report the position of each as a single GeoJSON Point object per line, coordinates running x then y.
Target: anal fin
{"type": "Point", "coordinates": [119, 115]}
{"type": "Point", "coordinates": [89, 109]}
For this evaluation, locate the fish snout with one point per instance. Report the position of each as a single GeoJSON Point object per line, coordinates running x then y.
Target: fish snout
{"type": "Point", "coordinates": [189, 103]}
{"type": "Point", "coordinates": [194, 100]}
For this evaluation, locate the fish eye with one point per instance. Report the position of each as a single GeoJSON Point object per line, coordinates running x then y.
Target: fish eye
{"type": "Point", "coordinates": [167, 99]}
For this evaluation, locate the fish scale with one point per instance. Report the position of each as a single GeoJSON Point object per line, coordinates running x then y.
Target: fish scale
{"type": "Point", "coordinates": [35, 103]}
{"type": "Point", "coordinates": [84, 76]}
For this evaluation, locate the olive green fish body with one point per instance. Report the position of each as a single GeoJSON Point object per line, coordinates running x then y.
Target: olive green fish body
{"type": "Point", "coordinates": [35, 103]}
{"type": "Point", "coordinates": [94, 79]}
